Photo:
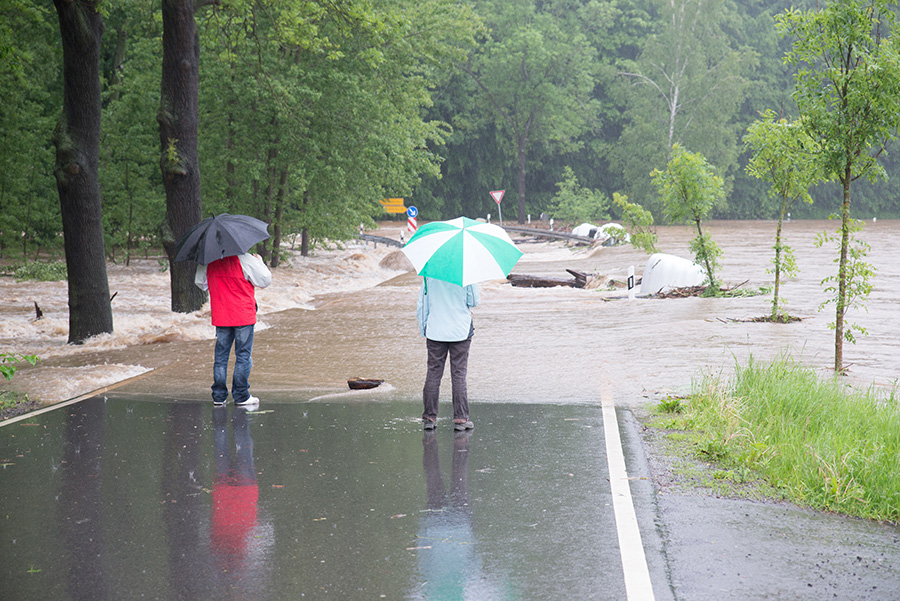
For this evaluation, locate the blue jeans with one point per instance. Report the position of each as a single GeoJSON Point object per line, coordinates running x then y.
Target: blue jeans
{"type": "Point", "coordinates": [242, 339]}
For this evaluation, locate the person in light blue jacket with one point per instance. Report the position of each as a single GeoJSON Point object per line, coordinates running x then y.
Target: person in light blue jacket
{"type": "Point", "coordinates": [445, 320]}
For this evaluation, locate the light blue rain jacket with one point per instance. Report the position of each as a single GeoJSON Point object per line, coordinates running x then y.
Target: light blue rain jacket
{"type": "Point", "coordinates": [443, 310]}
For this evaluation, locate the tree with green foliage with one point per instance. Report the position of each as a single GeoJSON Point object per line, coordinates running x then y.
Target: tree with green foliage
{"type": "Point", "coordinates": [311, 112]}
{"type": "Point", "coordinates": [771, 85]}
{"type": "Point", "coordinates": [686, 87]}
{"type": "Point", "coordinates": [848, 94]}
{"type": "Point", "coordinates": [319, 108]}
{"type": "Point", "coordinates": [77, 140]}
{"type": "Point", "coordinates": [689, 189]}
{"type": "Point", "coordinates": [30, 88]}
{"type": "Point", "coordinates": [10, 361]}
{"type": "Point", "coordinates": [784, 156]}
{"type": "Point", "coordinates": [133, 192]}
{"type": "Point", "coordinates": [858, 274]}
{"type": "Point", "coordinates": [479, 154]}
{"type": "Point", "coordinates": [577, 204]}
{"type": "Point", "coordinates": [639, 223]}
{"type": "Point", "coordinates": [535, 73]}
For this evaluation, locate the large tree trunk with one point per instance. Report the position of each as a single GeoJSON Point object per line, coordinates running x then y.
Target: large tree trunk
{"type": "Point", "coordinates": [179, 160]}
{"type": "Point", "coordinates": [272, 178]}
{"type": "Point", "coordinates": [304, 233]}
{"type": "Point", "coordinates": [521, 178]}
{"type": "Point", "coordinates": [279, 214]}
{"type": "Point", "coordinates": [77, 140]}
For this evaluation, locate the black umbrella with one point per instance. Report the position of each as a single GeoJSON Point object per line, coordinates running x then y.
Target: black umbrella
{"type": "Point", "coordinates": [220, 236]}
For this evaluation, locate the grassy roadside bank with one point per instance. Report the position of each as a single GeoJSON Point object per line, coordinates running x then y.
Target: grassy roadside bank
{"type": "Point", "coordinates": [812, 441]}
{"type": "Point", "coordinates": [13, 403]}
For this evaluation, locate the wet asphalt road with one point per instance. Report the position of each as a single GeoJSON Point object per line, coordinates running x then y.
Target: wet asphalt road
{"type": "Point", "coordinates": [130, 498]}
{"type": "Point", "coordinates": [126, 498]}
{"type": "Point", "coordinates": [733, 549]}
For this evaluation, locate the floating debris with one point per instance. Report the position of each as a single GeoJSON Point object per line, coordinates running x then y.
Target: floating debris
{"type": "Point", "coordinates": [363, 383]}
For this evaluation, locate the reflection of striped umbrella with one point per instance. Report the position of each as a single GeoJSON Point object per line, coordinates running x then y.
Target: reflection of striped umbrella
{"type": "Point", "coordinates": [462, 251]}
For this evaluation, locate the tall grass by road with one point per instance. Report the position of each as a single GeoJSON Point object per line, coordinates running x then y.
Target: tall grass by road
{"type": "Point", "coordinates": [821, 443]}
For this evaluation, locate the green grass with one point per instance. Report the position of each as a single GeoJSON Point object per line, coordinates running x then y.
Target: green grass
{"type": "Point", "coordinates": [13, 403]}
{"type": "Point", "coordinates": [821, 443]}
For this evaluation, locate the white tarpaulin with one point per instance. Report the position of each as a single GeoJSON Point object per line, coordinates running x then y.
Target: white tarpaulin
{"type": "Point", "coordinates": [665, 272]}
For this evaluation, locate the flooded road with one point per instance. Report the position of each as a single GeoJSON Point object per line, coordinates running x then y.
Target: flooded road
{"type": "Point", "coordinates": [550, 344]}
{"type": "Point", "coordinates": [557, 344]}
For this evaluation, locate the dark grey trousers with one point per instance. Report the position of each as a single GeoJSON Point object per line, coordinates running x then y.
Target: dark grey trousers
{"type": "Point", "coordinates": [459, 361]}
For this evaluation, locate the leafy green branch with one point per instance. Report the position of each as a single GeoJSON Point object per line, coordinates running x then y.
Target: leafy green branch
{"type": "Point", "coordinates": [9, 361]}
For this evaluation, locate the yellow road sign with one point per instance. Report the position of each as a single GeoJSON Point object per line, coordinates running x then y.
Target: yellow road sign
{"type": "Point", "coordinates": [393, 205]}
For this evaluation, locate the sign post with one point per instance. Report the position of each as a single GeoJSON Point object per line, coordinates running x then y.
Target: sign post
{"type": "Point", "coordinates": [411, 214]}
{"type": "Point", "coordinates": [497, 195]}
{"type": "Point", "coordinates": [631, 290]}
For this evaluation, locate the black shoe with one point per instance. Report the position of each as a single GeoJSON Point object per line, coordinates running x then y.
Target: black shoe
{"type": "Point", "coordinates": [429, 423]}
{"type": "Point", "coordinates": [466, 425]}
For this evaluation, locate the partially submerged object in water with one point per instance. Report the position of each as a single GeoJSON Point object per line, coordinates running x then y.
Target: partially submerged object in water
{"type": "Point", "coordinates": [363, 383]}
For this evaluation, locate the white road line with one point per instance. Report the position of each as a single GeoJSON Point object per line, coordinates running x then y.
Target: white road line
{"type": "Point", "coordinates": [84, 396]}
{"type": "Point", "coordinates": [634, 563]}
{"type": "Point", "coordinates": [36, 412]}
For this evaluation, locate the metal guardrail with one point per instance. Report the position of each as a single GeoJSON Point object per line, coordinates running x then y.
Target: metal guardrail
{"type": "Point", "coordinates": [380, 239]}
{"type": "Point", "coordinates": [533, 231]}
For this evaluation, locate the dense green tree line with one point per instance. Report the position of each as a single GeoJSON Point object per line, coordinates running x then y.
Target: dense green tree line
{"type": "Point", "coordinates": [310, 112]}
{"type": "Point", "coordinates": [696, 74]}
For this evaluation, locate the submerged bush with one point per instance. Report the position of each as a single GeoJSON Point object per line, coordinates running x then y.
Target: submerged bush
{"type": "Point", "coordinates": [42, 271]}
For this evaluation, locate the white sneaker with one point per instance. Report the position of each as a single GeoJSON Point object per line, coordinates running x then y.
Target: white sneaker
{"type": "Point", "coordinates": [252, 401]}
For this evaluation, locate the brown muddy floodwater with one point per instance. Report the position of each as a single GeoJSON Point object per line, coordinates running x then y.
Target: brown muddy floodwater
{"type": "Point", "coordinates": [556, 345]}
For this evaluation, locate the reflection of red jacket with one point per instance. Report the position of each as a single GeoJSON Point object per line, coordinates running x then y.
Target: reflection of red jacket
{"type": "Point", "coordinates": [234, 516]}
{"type": "Point", "coordinates": [231, 297]}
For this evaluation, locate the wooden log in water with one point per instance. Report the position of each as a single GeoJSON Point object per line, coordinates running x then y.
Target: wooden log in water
{"type": "Point", "coordinates": [538, 281]}
{"type": "Point", "coordinates": [581, 278]}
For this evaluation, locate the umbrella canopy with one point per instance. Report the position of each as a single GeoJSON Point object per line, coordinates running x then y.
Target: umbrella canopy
{"type": "Point", "coordinates": [462, 251]}
{"type": "Point", "coordinates": [220, 236]}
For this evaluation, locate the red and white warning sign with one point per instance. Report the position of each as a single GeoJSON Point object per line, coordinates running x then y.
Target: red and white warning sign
{"type": "Point", "coordinates": [411, 214]}
{"type": "Point", "coordinates": [497, 195]}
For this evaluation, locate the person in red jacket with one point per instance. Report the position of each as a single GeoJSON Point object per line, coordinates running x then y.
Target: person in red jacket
{"type": "Point", "coordinates": [232, 301]}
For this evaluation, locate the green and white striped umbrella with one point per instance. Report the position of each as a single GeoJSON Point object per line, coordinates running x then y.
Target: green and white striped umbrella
{"type": "Point", "coordinates": [462, 251]}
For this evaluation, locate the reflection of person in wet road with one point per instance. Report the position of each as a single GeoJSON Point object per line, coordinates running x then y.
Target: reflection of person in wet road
{"type": "Point", "coordinates": [445, 320]}
{"type": "Point", "coordinates": [234, 494]}
{"type": "Point", "coordinates": [449, 565]}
